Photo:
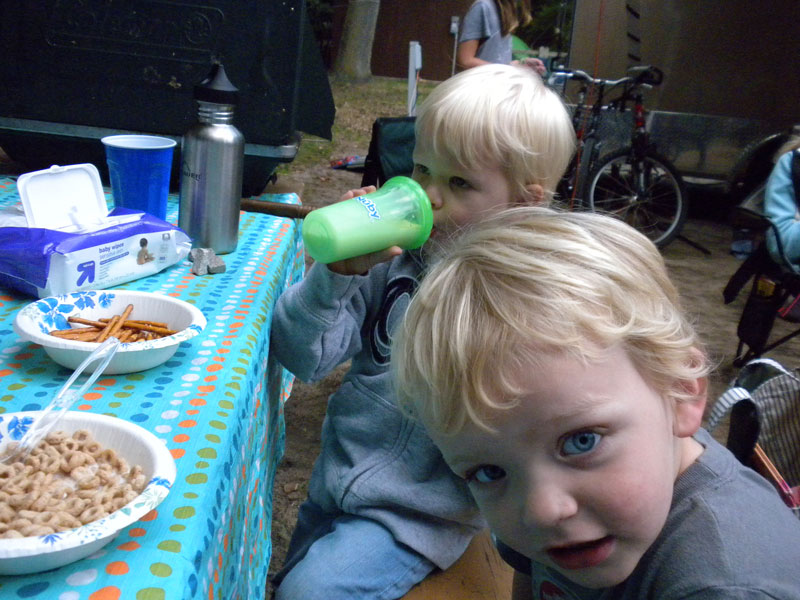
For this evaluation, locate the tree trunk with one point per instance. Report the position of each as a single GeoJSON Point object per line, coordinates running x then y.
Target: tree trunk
{"type": "Point", "coordinates": [355, 50]}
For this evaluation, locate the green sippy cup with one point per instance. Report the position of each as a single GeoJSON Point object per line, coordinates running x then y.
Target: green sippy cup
{"type": "Point", "coordinates": [398, 214]}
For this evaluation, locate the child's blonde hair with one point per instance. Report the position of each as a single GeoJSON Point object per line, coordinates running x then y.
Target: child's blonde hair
{"type": "Point", "coordinates": [531, 283]}
{"type": "Point", "coordinates": [502, 115]}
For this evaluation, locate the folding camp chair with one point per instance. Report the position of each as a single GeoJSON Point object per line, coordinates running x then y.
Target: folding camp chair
{"type": "Point", "coordinates": [763, 405]}
{"type": "Point", "coordinates": [390, 150]}
{"type": "Point", "coordinates": [773, 283]}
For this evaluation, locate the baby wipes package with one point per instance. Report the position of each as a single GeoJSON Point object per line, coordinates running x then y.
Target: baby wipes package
{"type": "Point", "coordinates": [65, 240]}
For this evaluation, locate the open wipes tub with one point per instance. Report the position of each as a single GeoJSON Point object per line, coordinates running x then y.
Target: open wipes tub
{"type": "Point", "coordinates": [66, 240]}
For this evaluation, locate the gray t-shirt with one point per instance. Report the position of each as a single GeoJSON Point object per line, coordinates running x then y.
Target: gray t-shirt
{"type": "Point", "coordinates": [482, 22]}
{"type": "Point", "coordinates": [728, 536]}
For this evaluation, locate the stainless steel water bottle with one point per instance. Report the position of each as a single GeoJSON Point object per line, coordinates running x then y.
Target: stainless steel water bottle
{"type": "Point", "coordinates": [212, 154]}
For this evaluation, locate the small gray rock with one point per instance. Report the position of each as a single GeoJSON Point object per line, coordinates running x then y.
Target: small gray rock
{"type": "Point", "coordinates": [205, 261]}
{"type": "Point", "coordinates": [216, 264]}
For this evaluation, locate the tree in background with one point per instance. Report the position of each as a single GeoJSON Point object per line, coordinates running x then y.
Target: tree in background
{"type": "Point", "coordinates": [355, 50]}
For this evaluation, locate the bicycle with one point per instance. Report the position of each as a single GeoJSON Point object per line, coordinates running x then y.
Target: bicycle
{"type": "Point", "coordinates": [633, 183]}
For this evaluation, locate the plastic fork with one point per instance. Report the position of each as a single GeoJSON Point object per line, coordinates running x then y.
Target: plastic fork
{"type": "Point", "coordinates": [63, 400]}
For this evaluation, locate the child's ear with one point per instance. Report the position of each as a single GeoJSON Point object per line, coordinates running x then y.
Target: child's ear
{"type": "Point", "coordinates": [690, 409]}
{"type": "Point", "coordinates": [534, 195]}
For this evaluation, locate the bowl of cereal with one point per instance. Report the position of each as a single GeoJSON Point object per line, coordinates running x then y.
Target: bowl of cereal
{"type": "Point", "coordinates": [149, 326]}
{"type": "Point", "coordinates": [91, 477]}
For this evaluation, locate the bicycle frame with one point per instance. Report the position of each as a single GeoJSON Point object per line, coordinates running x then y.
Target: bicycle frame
{"type": "Point", "coordinates": [633, 182]}
{"type": "Point", "coordinates": [586, 120]}
{"type": "Point", "coordinates": [640, 144]}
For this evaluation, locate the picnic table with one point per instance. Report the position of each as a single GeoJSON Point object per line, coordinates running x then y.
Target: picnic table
{"type": "Point", "coordinates": [218, 407]}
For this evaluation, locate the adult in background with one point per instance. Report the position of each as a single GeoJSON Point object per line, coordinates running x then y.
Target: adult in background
{"type": "Point", "coordinates": [486, 33]}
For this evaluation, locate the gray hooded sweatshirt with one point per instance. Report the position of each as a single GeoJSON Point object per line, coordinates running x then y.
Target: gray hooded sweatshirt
{"type": "Point", "coordinates": [374, 461]}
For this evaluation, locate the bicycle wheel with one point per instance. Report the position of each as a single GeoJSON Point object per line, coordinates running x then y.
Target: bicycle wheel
{"type": "Point", "coordinates": [650, 195]}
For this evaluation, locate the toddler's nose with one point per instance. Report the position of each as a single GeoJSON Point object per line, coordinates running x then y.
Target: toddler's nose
{"type": "Point", "coordinates": [432, 190]}
{"type": "Point", "coordinates": [547, 505]}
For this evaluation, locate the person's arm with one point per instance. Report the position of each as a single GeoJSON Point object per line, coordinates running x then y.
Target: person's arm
{"type": "Point", "coordinates": [317, 322]}
{"type": "Point", "coordinates": [467, 54]}
{"type": "Point", "coordinates": [780, 206]}
{"type": "Point", "coordinates": [467, 58]}
{"type": "Point", "coordinates": [475, 30]}
{"type": "Point", "coordinates": [522, 587]}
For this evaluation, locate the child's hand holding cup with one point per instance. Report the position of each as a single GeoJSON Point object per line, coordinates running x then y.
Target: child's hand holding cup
{"type": "Point", "coordinates": [398, 214]}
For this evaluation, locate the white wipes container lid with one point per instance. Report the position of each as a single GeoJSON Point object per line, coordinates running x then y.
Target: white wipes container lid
{"type": "Point", "coordinates": [69, 198]}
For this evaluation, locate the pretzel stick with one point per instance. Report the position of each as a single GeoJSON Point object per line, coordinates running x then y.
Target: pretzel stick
{"type": "Point", "coordinates": [125, 335]}
{"type": "Point", "coordinates": [151, 323]}
{"type": "Point", "coordinates": [82, 321]}
{"type": "Point", "coordinates": [77, 332]}
{"type": "Point", "coordinates": [132, 322]}
{"type": "Point", "coordinates": [126, 325]}
{"type": "Point", "coordinates": [146, 326]}
{"type": "Point", "coordinates": [109, 326]}
{"type": "Point", "coordinates": [138, 322]}
{"type": "Point", "coordinates": [118, 325]}
{"type": "Point", "coordinates": [160, 330]}
{"type": "Point", "coordinates": [81, 337]}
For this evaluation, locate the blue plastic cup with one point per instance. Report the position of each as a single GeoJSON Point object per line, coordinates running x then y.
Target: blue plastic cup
{"type": "Point", "coordinates": [139, 168]}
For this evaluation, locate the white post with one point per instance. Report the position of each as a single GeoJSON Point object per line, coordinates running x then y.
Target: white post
{"type": "Point", "coordinates": [414, 67]}
{"type": "Point", "coordinates": [455, 22]}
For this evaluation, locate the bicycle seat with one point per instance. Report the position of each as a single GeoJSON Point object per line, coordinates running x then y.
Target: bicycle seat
{"type": "Point", "coordinates": [646, 74]}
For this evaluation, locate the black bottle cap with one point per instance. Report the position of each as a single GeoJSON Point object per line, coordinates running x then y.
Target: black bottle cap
{"type": "Point", "coordinates": [216, 87]}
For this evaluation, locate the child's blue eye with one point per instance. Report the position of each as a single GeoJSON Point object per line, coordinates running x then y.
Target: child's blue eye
{"type": "Point", "coordinates": [580, 443]}
{"type": "Point", "coordinates": [485, 474]}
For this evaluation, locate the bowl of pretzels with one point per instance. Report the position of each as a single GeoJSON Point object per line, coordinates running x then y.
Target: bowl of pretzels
{"type": "Point", "coordinates": [149, 326]}
{"type": "Point", "coordinates": [92, 476]}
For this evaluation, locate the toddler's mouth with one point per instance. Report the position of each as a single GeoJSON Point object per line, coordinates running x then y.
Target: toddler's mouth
{"type": "Point", "coordinates": [583, 555]}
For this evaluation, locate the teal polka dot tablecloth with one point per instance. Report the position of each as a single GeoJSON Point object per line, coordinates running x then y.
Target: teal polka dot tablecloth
{"type": "Point", "coordinates": [218, 407]}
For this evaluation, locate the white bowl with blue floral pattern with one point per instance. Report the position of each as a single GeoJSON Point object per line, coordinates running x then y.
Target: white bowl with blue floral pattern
{"type": "Point", "coordinates": [133, 443]}
{"type": "Point", "coordinates": [35, 321]}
